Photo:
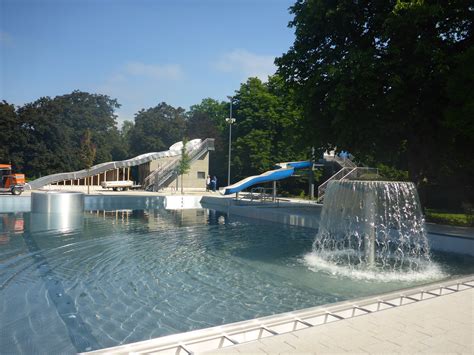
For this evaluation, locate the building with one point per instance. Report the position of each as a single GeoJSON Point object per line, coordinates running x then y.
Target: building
{"type": "Point", "coordinates": [151, 171]}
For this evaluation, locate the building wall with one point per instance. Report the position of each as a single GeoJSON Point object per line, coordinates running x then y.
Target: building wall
{"type": "Point", "coordinates": [195, 179]}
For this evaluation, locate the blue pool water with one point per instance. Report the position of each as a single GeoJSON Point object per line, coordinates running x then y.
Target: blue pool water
{"type": "Point", "coordinates": [123, 276]}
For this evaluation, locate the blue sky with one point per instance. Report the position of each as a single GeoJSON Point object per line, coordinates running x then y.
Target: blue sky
{"type": "Point", "coordinates": [141, 52]}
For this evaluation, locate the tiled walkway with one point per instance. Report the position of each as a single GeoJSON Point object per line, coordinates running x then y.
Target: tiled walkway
{"type": "Point", "coordinates": [438, 325]}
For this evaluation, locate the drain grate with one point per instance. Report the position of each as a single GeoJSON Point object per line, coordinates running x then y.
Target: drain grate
{"type": "Point", "coordinates": [246, 331]}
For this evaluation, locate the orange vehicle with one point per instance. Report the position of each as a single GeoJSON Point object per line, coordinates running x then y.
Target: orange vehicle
{"type": "Point", "coordinates": [13, 183]}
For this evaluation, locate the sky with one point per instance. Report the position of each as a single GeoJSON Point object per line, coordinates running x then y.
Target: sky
{"type": "Point", "coordinates": [140, 52]}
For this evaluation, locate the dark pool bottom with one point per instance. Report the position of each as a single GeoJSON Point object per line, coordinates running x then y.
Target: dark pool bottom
{"type": "Point", "coordinates": [127, 276]}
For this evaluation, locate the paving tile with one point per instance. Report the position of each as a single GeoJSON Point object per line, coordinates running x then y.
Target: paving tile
{"type": "Point", "coordinates": [445, 346]}
{"type": "Point", "coordinates": [382, 347]}
{"type": "Point", "coordinates": [439, 325]}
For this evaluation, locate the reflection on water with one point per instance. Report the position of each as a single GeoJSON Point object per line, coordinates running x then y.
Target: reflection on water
{"type": "Point", "coordinates": [110, 277]}
{"type": "Point", "coordinates": [11, 224]}
{"type": "Point", "coordinates": [41, 222]}
{"type": "Point", "coordinates": [153, 217]}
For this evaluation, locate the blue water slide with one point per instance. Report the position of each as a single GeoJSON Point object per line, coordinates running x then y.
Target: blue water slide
{"type": "Point", "coordinates": [285, 171]}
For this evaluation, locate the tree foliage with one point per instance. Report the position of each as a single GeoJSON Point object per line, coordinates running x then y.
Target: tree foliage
{"type": "Point", "coordinates": [207, 120]}
{"type": "Point", "coordinates": [388, 80]}
{"type": "Point", "coordinates": [12, 141]}
{"type": "Point", "coordinates": [157, 128]}
{"type": "Point", "coordinates": [88, 150]}
{"type": "Point", "coordinates": [267, 127]}
{"type": "Point", "coordinates": [184, 162]}
{"type": "Point", "coordinates": [88, 153]}
{"type": "Point", "coordinates": [45, 136]}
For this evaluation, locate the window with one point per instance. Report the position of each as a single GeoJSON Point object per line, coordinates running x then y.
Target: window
{"type": "Point", "coordinates": [201, 174]}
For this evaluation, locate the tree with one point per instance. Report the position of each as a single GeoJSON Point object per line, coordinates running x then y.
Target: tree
{"type": "Point", "coordinates": [157, 128]}
{"type": "Point", "coordinates": [48, 146]}
{"type": "Point", "coordinates": [52, 130]}
{"type": "Point", "coordinates": [207, 120]}
{"type": "Point", "coordinates": [267, 127]}
{"type": "Point", "coordinates": [373, 77]}
{"type": "Point", "coordinates": [11, 136]}
{"type": "Point", "coordinates": [88, 153]}
{"type": "Point", "coordinates": [184, 163]}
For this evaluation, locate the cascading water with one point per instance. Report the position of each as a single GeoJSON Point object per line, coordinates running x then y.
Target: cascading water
{"type": "Point", "coordinates": [372, 229]}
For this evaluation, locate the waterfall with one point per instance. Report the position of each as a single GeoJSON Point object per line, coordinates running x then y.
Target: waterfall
{"type": "Point", "coordinates": [374, 226]}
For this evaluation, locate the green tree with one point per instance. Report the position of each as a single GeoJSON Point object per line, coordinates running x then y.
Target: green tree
{"type": "Point", "coordinates": [88, 153]}
{"type": "Point", "coordinates": [48, 147]}
{"type": "Point", "coordinates": [207, 120]}
{"type": "Point", "coordinates": [374, 76]}
{"type": "Point", "coordinates": [157, 128]}
{"type": "Point", "coordinates": [80, 111]}
{"type": "Point", "coordinates": [184, 163]}
{"type": "Point", "coordinates": [53, 129]}
{"type": "Point", "coordinates": [267, 128]}
{"type": "Point", "coordinates": [11, 136]}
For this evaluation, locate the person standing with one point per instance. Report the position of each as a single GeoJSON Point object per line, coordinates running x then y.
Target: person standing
{"type": "Point", "coordinates": [214, 183]}
{"type": "Point", "coordinates": [208, 182]}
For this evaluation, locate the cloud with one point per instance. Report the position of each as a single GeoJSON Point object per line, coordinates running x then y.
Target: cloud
{"type": "Point", "coordinates": [247, 64]}
{"type": "Point", "coordinates": [169, 71]}
{"type": "Point", "coordinates": [137, 85]}
{"type": "Point", "coordinates": [137, 74]}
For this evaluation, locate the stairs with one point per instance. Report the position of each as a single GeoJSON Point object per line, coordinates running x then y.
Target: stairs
{"type": "Point", "coordinates": [158, 178]}
{"type": "Point", "coordinates": [349, 171]}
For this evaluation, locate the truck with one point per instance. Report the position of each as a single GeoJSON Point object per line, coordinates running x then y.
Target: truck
{"type": "Point", "coordinates": [9, 182]}
{"type": "Point", "coordinates": [123, 185]}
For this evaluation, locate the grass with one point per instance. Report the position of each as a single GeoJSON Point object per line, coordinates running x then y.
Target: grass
{"type": "Point", "coordinates": [453, 219]}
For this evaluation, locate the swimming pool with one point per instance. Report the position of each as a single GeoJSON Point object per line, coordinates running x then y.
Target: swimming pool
{"type": "Point", "coordinates": [127, 275]}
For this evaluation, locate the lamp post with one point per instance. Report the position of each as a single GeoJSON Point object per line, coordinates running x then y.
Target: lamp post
{"type": "Point", "coordinates": [230, 121]}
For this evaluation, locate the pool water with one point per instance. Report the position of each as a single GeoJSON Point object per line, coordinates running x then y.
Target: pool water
{"type": "Point", "coordinates": [122, 276]}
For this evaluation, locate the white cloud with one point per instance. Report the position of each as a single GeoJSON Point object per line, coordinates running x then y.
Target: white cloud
{"type": "Point", "coordinates": [169, 71]}
{"type": "Point", "coordinates": [138, 86]}
{"type": "Point", "coordinates": [132, 76]}
{"type": "Point", "coordinates": [247, 64]}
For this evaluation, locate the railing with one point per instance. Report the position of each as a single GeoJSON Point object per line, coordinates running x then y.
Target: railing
{"type": "Point", "coordinates": [151, 178]}
{"type": "Point", "coordinates": [344, 162]}
{"type": "Point", "coordinates": [345, 174]}
{"type": "Point", "coordinates": [98, 169]}
{"type": "Point", "coordinates": [157, 178]}
{"type": "Point", "coordinates": [261, 194]}
{"type": "Point", "coordinates": [337, 176]}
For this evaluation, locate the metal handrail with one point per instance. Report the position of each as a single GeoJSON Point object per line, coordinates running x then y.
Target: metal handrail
{"type": "Point", "coordinates": [260, 193]}
{"type": "Point", "coordinates": [337, 176]}
{"type": "Point", "coordinates": [150, 179]}
{"type": "Point", "coordinates": [345, 162]}
{"type": "Point", "coordinates": [164, 173]}
{"type": "Point", "coordinates": [353, 173]}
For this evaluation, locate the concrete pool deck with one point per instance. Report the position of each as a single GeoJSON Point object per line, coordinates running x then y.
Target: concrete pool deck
{"type": "Point", "coordinates": [438, 325]}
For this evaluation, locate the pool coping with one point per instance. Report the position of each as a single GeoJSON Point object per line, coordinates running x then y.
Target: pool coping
{"type": "Point", "coordinates": [231, 334]}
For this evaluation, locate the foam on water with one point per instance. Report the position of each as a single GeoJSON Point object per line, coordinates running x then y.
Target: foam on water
{"type": "Point", "coordinates": [319, 263]}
